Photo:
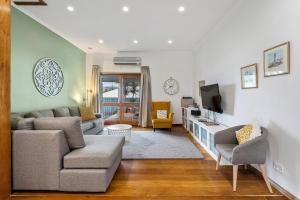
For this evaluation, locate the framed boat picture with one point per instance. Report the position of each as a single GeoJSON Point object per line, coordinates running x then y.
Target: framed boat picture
{"type": "Point", "coordinates": [277, 60]}
{"type": "Point", "coordinates": [249, 78]}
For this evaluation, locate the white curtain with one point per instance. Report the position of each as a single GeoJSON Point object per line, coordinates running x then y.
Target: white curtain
{"type": "Point", "coordinates": [95, 89]}
{"type": "Point", "coordinates": [146, 98]}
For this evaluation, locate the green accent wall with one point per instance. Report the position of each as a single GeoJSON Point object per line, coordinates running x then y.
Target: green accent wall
{"type": "Point", "coordinates": [30, 42]}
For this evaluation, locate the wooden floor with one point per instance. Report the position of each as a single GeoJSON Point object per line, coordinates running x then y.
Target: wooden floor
{"type": "Point", "coordinates": [173, 180]}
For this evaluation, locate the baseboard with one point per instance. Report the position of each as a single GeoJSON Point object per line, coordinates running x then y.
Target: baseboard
{"type": "Point", "coordinates": [276, 186]}
{"type": "Point", "coordinates": [283, 191]}
{"type": "Point", "coordinates": [177, 124]}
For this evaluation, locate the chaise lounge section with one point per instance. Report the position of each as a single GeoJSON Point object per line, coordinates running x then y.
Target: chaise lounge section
{"type": "Point", "coordinates": [44, 160]}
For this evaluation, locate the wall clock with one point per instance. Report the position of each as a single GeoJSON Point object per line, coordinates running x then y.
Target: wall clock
{"type": "Point", "coordinates": [48, 77]}
{"type": "Point", "coordinates": [171, 86]}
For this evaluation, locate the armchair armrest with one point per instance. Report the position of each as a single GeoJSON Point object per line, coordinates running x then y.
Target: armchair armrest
{"type": "Point", "coordinates": [153, 115]}
{"type": "Point", "coordinates": [251, 152]}
{"type": "Point", "coordinates": [170, 116]}
{"type": "Point", "coordinates": [227, 136]}
{"type": "Point", "coordinates": [38, 159]}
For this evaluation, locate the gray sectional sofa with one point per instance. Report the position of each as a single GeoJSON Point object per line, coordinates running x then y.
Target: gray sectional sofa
{"type": "Point", "coordinates": [54, 154]}
{"type": "Point", "coordinates": [92, 127]}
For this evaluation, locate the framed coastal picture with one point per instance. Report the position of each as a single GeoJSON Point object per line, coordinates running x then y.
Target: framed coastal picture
{"type": "Point", "coordinates": [249, 78]}
{"type": "Point", "coordinates": [277, 60]}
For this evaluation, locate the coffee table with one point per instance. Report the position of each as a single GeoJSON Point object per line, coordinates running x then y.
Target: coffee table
{"type": "Point", "coordinates": [120, 129]}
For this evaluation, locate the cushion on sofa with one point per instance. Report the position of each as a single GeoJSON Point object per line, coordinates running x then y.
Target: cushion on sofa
{"type": "Point", "coordinates": [61, 112]}
{"type": "Point", "coordinates": [87, 125]}
{"type": "Point", "coordinates": [74, 111]}
{"type": "Point", "coordinates": [70, 126]}
{"type": "Point", "coordinates": [87, 113]}
{"type": "Point", "coordinates": [99, 152]}
{"type": "Point", "coordinates": [25, 124]}
{"type": "Point", "coordinates": [40, 113]}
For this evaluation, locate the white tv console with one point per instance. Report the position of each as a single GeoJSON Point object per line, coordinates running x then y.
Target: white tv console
{"type": "Point", "coordinates": [202, 133]}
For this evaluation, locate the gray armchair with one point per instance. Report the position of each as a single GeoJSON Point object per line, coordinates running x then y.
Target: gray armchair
{"type": "Point", "coordinates": [251, 152]}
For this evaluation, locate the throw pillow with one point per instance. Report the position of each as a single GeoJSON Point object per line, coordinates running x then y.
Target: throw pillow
{"type": "Point", "coordinates": [74, 111]}
{"type": "Point", "coordinates": [70, 125]}
{"type": "Point", "coordinates": [25, 123]}
{"type": "Point", "coordinates": [247, 133]}
{"type": "Point", "coordinates": [162, 114]}
{"type": "Point", "coordinates": [87, 113]}
{"type": "Point", "coordinates": [61, 112]}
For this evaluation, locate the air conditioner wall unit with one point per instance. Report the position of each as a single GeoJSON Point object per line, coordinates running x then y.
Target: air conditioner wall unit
{"type": "Point", "coordinates": [136, 61]}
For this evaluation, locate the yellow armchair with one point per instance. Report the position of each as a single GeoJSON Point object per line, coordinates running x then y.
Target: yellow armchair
{"type": "Point", "coordinates": [162, 123]}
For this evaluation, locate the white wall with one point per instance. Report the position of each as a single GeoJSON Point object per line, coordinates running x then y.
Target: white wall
{"type": "Point", "coordinates": [163, 64]}
{"type": "Point", "coordinates": [239, 40]}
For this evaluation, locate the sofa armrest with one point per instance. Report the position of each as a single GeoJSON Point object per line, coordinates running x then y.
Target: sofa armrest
{"type": "Point", "coordinates": [227, 136]}
{"type": "Point", "coordinates": [38, 159]}
{"type": "Point", "coordinates": [98, 115]}
{"type": "Point", "coordinates": [251, 152]}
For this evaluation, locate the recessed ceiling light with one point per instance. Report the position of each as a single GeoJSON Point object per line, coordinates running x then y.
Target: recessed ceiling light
{"type": "Point", "coordinates": [181, 9]}
{"type": "Point", "coordinates": [135, 41]}
{"type": "Point", "coordinates": [100, 41]}
{"type": "Point", "coordinates": [125, 9]}
{"type": "Point", "coordinates": [70, 8]}
{"type": "Point", "coordinates": [170, 42]}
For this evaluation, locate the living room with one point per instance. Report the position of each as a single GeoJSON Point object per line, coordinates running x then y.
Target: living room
{"type": "Point", "coordinates": [144, 113]}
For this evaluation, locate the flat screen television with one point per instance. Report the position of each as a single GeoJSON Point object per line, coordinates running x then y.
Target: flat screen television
{"type": "Point", "coordinates": [211, 99]}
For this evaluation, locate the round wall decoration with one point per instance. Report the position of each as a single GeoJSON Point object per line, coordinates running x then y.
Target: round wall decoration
{"type": "Point", "coordinates": [171, 86]}
{"type": "Point", "coordinates": [48, 77]}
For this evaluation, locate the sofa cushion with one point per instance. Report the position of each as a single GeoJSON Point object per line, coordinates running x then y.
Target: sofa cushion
{"type": "Point", "coordinates": [40, 113]}
{"type": "Point", "coordinates": [87, 125]}
{"type": "Point", "coordinates": [70, 126]}
{"type": "Point", "coordinates": [168, 121]}
{"type": "Point", "coordinates": [61, 112]}
{"type": "Point", "coordinates": [99, 152]}
{"type": "Point", "coordinates": [25, 124]}
{"type": "Point", "coordinates": [226, 150]}
{"type": "Point", "coordinates": [74, 111]}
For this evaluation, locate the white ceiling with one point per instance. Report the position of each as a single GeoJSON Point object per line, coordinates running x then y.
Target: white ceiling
{"type": "Point", "coordinates": [151, 22]}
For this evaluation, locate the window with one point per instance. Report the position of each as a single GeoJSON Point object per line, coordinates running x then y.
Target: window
{"type": "Point", "coordinates": [120, 96]}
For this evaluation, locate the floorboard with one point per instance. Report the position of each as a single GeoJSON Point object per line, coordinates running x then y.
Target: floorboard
{"type": "Point", "coordinates": [172, 180]}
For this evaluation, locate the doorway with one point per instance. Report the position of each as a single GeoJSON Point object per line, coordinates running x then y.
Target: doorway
{"type": "Point", "coordinates": [120, 98]}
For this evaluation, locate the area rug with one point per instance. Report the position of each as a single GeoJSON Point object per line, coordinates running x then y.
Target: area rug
{"type": "Point", "coordinates": [159, 145]}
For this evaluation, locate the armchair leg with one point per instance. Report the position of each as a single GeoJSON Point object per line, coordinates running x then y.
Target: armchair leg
{"type": "Point", "coordinates": [235, 172]}
{"type": "Point", "coordinates": [154, 129]}
{"type": "Point", "coordinates": [263, 171]}
{"type": "Point", "coordinates": [218, 162]}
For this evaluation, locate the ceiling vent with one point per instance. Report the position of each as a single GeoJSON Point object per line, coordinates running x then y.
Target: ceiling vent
{"type": "Point", "coordinates": [137, 61]}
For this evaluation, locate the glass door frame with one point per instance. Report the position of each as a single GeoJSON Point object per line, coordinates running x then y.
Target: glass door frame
{"type": "Point", "coordinates": [121, 104]}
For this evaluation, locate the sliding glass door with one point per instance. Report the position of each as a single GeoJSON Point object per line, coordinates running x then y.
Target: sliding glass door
{"type": "Point", "coordinates": [120, 96]}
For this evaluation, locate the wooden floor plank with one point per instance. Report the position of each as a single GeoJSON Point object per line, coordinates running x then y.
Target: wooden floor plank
{"type": "Point", "coordinates": [189, 179]}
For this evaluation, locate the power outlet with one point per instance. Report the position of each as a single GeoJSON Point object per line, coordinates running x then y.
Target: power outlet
{"type": "Point", "coordinates": [278, 167]}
